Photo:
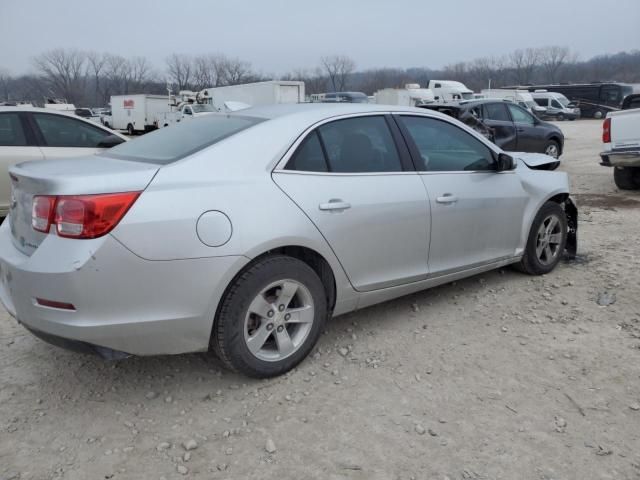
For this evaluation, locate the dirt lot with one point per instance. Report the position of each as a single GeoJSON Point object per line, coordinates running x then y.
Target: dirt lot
{"type": "Point", "coordinates": [500, 376]}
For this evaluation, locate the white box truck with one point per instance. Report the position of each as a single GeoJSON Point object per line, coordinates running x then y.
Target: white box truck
{"type": "Point", "coordinates": [142, 113]}
{"type": "Point", "coordinates": [254, 94]}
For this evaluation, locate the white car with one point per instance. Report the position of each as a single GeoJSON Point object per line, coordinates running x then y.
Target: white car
{"type": "Point", "coordinates": [29, 133]}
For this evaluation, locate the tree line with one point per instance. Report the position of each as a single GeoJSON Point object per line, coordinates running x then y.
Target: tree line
{"type": "Point", "coordinates": [90, 78]}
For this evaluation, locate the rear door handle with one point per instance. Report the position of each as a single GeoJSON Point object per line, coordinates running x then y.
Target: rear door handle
{"type": "Point", "coordinates": [334, 204]}
{"type": "Point", "coordinates": [447, 198]}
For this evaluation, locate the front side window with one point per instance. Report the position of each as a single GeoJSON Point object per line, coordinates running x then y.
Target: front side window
{"type": "Point", "coordinates": [443, 147]}
{"type": "Point", "coordinates": [521, 116]}
{"type": "Point", "coordinates": [11, 131]}
{"type": "Point", "coordinates": [555, 104]}
{"type": "Point", "coordinates": [496, 111]}
{"type": "Point", "coordinates": [63, 131]}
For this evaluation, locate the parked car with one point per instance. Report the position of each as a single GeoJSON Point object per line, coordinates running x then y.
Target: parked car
{"type": "Point", "coordinates": [621, 147]}
{"type": "Point", "coordinates": [28, 133]}
{"type": "Point", "coordinates": [88, 114]}
{"type": "Point", "coordinates": [244, 232]}
{"type": "Point", "coordinates": [508, 125]}
{"type": "Point", "coordinates": [558, 106]}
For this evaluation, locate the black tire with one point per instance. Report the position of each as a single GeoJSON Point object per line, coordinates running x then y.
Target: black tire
{"type": "Point", "coordinates": [130, 130]}
{"type": "Point", "coordinates": [598, 114]}
{"type": "Point", "coordinates": [627, 178]}
{"type": "Point", "coordinates": [228, 336]}
{"type": "Point", "coordinates": [550, 145]}
{"type": "Point", "coordinates": [530, 263]}
{"type": "Point", "coordinates": [560, 117]}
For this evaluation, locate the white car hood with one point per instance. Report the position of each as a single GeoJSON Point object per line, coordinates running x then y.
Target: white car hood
{"type": "Point", "coordinates": [534, 160]}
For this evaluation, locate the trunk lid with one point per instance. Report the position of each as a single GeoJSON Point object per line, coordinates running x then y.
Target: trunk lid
{"type": "Point", "coordinates": [77, 176]}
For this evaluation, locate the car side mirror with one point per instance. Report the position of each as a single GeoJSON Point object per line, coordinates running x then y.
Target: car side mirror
{"type": "Point", "coordinates": [505, 162]}
{"type": "Point", "coordinates": [110, 141]}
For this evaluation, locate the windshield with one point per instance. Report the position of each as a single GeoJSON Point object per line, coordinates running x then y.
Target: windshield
{"type": "Point", "coordinates": [198, 108]}
{"type": "Point", "coordinates": [467, 95]}
{"type": "Point", "coordinates": [172, 143]}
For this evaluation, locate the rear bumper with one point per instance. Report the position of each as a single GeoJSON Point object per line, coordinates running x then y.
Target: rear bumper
{"type": "Point", "coordinates": [627, 158]}
{"type": "Point", "coordinates": [122, 302]}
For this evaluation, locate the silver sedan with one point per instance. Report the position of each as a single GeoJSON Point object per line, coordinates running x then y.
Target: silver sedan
{"type": "Point", "coordinates": [243, 233]}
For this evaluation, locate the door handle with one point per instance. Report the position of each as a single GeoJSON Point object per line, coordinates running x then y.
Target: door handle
{"type": "Point", "coordinates": [447, 198]}
{"type": "Point", "coordinates": [334, 204]}
{"type": "Point", "coordinates": [520, 130]}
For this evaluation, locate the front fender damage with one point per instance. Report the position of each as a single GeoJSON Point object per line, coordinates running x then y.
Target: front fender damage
{"type": "Point", "coordinates": [571, 211]}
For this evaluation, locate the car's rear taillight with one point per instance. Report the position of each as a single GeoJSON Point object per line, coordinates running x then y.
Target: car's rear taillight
{"type": "Point", "coordinates": [606, 131]}
{"type": "Point", "coordinates": [81, 216]}
{"type": "Point", "coordinates": [42, 212]}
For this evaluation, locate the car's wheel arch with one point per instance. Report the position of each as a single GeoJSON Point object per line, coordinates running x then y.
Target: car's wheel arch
{"type": "Point", "coordinates": [554, 137]}
{"type": "Point", "coordinates": [311, 257]}
{"type": "Point", "coordinates": [561, 197]}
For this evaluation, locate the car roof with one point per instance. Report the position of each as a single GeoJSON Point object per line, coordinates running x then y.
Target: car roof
{"type": "Point", "coordinates": [5, 108]}
{"type": "Point", "coordinates": [313, 112]}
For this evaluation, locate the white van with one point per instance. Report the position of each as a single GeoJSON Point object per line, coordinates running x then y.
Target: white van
{"type": "Point", "coordinates": [557, 105]}
{"type": "Point", "coordinates": [521, 97]}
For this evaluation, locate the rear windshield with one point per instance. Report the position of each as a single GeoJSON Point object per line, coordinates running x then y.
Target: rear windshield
{"type": "Point", "coordinates": [172, 143]}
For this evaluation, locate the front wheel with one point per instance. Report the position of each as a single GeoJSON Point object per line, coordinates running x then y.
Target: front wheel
{"type": "Point", "coordinates": [546, 242]}
{"type": "Point", "coordinates": [270, 318]}
{"type": "Point", "coordinates": [552, 148]}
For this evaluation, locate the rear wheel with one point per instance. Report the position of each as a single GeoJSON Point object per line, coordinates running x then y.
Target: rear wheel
{"type": "Point", "coordinates": [627, 178]}
{"type": "Point", "coordinates": [270, 318]}
{"type": "Point", "coordinates": [598, 114]}
{"type": "Point", "coordinates": [560, 117]}
{"type": "Point", "coordinates": [130, 130]}
{"type": "Point", "coordinates": [546, 242]}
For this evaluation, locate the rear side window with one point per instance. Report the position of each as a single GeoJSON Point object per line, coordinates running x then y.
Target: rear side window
{"type": "Point", "coordinates": [172, 143]}
{"type": "Point", "coordinates": [496, 111]}
{"type": "Point", "coordinates": [353, 145]}
{"type": "Point", "coordinates": [443, 147]}
{"type": "Point", "coordinates": [11, 131]}
{"type": "Point", "coordinates": [64, 131]}
{"type": "Point", "coordinates": [309, 157]}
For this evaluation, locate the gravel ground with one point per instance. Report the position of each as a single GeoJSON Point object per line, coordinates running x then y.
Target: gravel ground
{"type": "Point", "coordinates": [500, 376]}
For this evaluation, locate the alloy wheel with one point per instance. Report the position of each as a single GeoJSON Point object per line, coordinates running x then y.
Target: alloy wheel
{"type": "Point", "coordinates": [548, 240]}
{"type": "Point", "coordinates": [279, 320]}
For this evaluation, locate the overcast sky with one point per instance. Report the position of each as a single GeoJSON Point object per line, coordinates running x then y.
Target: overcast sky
{"type": "Point", "coordinates": [277, 36]}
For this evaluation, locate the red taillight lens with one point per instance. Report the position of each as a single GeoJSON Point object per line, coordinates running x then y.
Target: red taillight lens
{"type": "Point", "coordinates": [606, 131]}
{"type": "Point", "coordinates": [42, 212]}
{"type": "Point", "coordinates": [91, 216]}
{"type": "Point", "coordinates": [81, 216]}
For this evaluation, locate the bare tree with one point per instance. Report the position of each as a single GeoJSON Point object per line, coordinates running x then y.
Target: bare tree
{"type": "Point", "coordinates": [5, 81]}
{"type": "Point", "coordinates": [65, 72]}
{"type": "Point", "coordinates": [524, 62]}
{"type": "Point", "coordinates": [552, 59]}
{"type": "Point", "coordinates": [338, 69]}
{"type": "Point", "coordinates": [180, 70]}
{"type": "Point", "coordinates": [139, 72]}
{"type": "Point", "coordinates": [96, 63]}
{"type": "Point", "coordinates": [236, 71]}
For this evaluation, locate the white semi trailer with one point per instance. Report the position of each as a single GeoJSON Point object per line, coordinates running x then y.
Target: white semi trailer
{"type": "Point", "coordinates": [253, 94]}
{"type": "Point", "coordinates": [410, 96]}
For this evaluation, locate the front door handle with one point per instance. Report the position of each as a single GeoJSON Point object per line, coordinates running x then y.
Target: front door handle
{"type": "Point", "coordinates": [334, 204]}
{"type": "Point", "coordinates": [447, 198]}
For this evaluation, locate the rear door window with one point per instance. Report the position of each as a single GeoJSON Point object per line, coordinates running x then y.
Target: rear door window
{"type": "Point", "coordinates": [496, 111]}
{"type": "Point", "coordinates": [64, 131]}
{"type": "Point", "coordinates": [309, 157]}
{"type": "Point", "coordinates": [360, 145]}
{"type": "Point", "coordinates": [11, 131]}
